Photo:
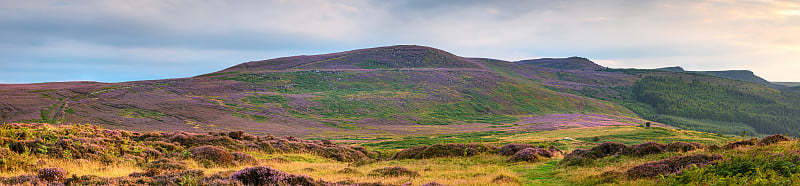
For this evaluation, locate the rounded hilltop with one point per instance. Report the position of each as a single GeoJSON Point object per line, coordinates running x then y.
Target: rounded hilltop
{"type": "Point", "coordinates": [388, 57]}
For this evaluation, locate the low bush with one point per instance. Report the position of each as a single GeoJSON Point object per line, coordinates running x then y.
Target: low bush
{"type": "Point", "coordinates": [244, 159]}
{"type": "Point", "coordinates": [212, 155]}
{"type": "Point", "coordinates": [52, 174]}
{"type": "Point", "coordinates": [644, 149]}
{"type": "Point", "coordinates": [773, 139]}
{"type": "Point", "coordinates": [670, 166]}
{"type": "Point", "coordinates": [263, 175]}
{"type": "Point", "coordinates": [164, 165]}
{"type": "Point", "coordinates": [683, 147]}
{"type": "Point", "coordinates": [585, 156]}
{"type": "Point", "coordinates": [733, 145]}
{"type": "Point", "coordinates": [513, 148]}
{"type": "Point", "coordinates": [531, 155]}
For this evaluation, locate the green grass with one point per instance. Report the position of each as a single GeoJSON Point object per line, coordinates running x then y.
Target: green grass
{"type": "Point", "coordinates": [260, 99]}
{"type": "Point", "coordinates": [706, 125]}
{"type": "Point", "coordinates": [139, 113]}
{"type": "Point", "coordinates": [540, 173]}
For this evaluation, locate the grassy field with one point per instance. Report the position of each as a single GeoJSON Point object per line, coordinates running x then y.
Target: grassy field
{"type": "Point", "coordinates": [118, 157]}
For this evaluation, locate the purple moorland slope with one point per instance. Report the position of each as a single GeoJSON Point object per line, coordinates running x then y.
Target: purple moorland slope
{"type": "Point", "coordinates": [383, 91]}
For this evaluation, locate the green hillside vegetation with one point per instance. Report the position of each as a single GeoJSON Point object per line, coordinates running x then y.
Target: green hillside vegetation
{"type": "Point", "coordinates": [766, 110]}
{"type": "Point", "coordinates": [427, 98]}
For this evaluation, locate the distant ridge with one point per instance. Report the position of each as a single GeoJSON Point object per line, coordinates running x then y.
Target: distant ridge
{"type": "Point", "coordinates": [788, 84]}
{"type": "Point", "coordinates": [741, 75]}
{"type": "Point", "coordinates": [570, 63]}
{"type": "Point", "coordinates": [672, 69]}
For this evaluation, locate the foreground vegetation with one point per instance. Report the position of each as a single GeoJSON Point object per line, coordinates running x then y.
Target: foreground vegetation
{"type": "Point", "coordinates": [88, 155]}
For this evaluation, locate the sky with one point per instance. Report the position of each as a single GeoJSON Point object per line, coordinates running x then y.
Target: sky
{"type": "Point", "coordinates": [116, 41]}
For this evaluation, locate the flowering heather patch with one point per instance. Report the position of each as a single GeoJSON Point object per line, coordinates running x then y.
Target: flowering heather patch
{"type": "Point", "coordinates": [244, 159]}
{"type": "Point", "coordinates": [212, 155]}
{"type": "Point", "coordinates": [263, 175]}
{"type": "Point", "coordinates": [531, 155]}
{"type": "Point", "coordinates": [445, 150]}
{"type": "Point", "coordinates": [683, 147]}
{"type": "Point", "coordinates": [583, 156]}
{"type": "Point", "coordinates": [733, 145]}
{"type": "Point", "coordinates": [393, 172]}
{"type": "Point", "coordinates": [773, 139]}
{"type": "Point", "coordinates": [52, 174]}
{"type": "Point", "coordinates": [670, 166]}
{"type": "Point", "coordinates": [644, 149]}
{"type": "Point", "coordinates": [164, 165]}
{"type": "Point", "coordinates": [513, 148]}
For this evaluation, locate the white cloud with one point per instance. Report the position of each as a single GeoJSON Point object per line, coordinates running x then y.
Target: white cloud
{"type": "Point", "coordinates": [700, 35]}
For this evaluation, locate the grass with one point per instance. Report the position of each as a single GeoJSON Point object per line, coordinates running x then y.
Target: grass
{"type": "Point", "coordinates": [260, 99]}
{"type": "Point", "coordinates": [408, 142]}
{"type": "Point", "coordinates": [139, 113]}
{"type": "Point", "coordinates": [481, 169]}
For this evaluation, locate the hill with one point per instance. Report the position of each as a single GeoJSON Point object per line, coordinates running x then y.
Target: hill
{"type": "Point", "coordinates": [395, 91]}
{"type": "Point", "coordinates": [377, 92]}
{"type": "Point", "coordinates": [743, 75]}
{"type": "Point", "coordinates": [570, 63]}
{"type": "Point", "coordinates": [685, 100]}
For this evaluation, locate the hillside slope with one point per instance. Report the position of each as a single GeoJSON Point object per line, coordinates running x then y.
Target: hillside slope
{"type": "Point", "coordinates": [687, 100]}
{"type": "Point", "coordinates": [376, 92]}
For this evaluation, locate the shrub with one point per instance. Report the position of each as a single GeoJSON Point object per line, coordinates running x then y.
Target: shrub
{"type": "Point", "coordinates": [513, 148]}
{"type": "Point", "coordinates": [237, 135]}
{"type": "Point", "coordinates": [773, 139]}
{"type": "Point", "coordinates": [584, 156]}
{"type": "Point", "coordinates": [608, 149]}
{"type": "Point", "coordinates": [212, 155]}
{"type": "Point", "coordinates": [683, 147]}
{"type": "Point", "coordinates": [164, 165]}
{"type": "Point", "coordinates": [26, 146]}
{"type": "Point", "coordinates": [644, 149]}
{"type": "Point", "coordinates": [243, 158]}
{"type": "Point", "coordinates": [393, 172]}
{"type": "Point", "coordinates": [52, 174]}
{"type": "Point", "coordinates": [577, 157]}
{"type": "Point", "coordinates": [409, 153]}
{"type": "Point", "coordinates": [670, 166]}
{"type": "Point", "coordinates": [263, 175]}
{"type": "Point", "coordinates": [531, 155]}
{"type": "Point", "coordinates": [751, 141]}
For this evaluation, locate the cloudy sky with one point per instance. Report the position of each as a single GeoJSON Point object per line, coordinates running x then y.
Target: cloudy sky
{"type": "Point", "coordinates": [114, 41]}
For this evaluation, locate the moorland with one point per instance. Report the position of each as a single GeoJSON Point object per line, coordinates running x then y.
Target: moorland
{"type": "Point", "coordinates": [405, 114]}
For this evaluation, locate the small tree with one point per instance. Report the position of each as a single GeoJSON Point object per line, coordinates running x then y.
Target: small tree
{"type": "Point", "coordinates": [744, 134]}
{"type": "Point", "coordinates": [647, 124]}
